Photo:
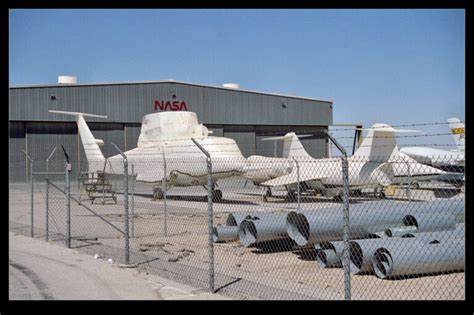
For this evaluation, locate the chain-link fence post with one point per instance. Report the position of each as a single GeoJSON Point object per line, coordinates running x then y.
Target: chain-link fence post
{"type": "Point", "coordinates": [210, 189]}
{"type": "Point", "coordinates": [47, 195]}
{"type": "Point", "coordinates": [32, 191]}
{"type": "Point", "coordinates": [346, 257]}
{"type": "Point", "coordinates": [165, 188]}
{"type": "Point", "coordinates": [125, 203]}
{"type": "Point", "coordinates": [132, 225]}
{"type": "Point", "coordinates": [47, 209]}
{"type": "Point", "coordinates": [68, 204]}
{"type": "Point", "coordinates": [345, 217]}
{"type": "Point", "coordinates": [298, 179]}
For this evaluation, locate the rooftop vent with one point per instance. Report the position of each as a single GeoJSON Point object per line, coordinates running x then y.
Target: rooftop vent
{"type": "Point", "coordinates": [67, 79]}
{"type": "Point", "coordinates": [231, 85]}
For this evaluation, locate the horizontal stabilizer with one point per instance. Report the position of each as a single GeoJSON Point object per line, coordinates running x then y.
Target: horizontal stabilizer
{"type": "Point", "coordinates": [287, 136]}
{"type": "Point", "coordinates": [76, 114]}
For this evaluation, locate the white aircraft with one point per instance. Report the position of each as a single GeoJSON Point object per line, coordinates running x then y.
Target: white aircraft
{"type": "Point", "coordinates": [451, 161]}
{"type": "Point", "coordinates": [166, 137]}
{"type": "Point", "coordinates": [375, 164]}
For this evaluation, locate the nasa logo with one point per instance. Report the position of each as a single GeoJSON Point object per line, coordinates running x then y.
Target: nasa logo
{"type": "Point", "coordinates": [173, 106]}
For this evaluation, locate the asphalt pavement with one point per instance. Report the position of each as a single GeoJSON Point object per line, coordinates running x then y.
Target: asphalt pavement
{"type": "Point", "coordinates": [45, 271]}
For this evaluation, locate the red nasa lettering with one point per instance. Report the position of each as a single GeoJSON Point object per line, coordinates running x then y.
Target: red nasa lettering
{"type": "Point", "coordinates": [173, 106]}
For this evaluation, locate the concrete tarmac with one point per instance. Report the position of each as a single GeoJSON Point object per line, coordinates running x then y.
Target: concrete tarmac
{"type": "Point", "coordinates": [44, 271]}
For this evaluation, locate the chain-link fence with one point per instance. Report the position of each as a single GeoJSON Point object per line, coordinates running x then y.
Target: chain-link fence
{"type": "Point", "coordinates": [264, 228]}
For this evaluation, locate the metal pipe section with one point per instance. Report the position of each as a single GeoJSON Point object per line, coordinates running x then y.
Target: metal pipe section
{"type": "Point", "coordinates": [225, 233]}
{"type": "Point", "coordinates": [399, 231]}
{"type": "Point", "coordinates": [439, 236]}
{"type": "Point", "coordinates": [235, 218]}
{"type": "Point", "coordinates": [270, 226]}
{"type": "Point", "coordinates": [327, 224]}
{"type": "Point", "coordinates": [431, 221]}
{"type": "Point", "coordinates": [328, 254]}
{"type": "Point", "coordinates": [361, 252]}
{"type": "Point", "coordinates": [426, 259]}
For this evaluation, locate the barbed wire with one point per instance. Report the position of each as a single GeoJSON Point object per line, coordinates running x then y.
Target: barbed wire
{"type": "Point", "coordinates": [402, 125]}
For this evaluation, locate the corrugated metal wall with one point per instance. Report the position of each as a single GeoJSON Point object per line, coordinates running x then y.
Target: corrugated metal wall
{"type": "Point", "coordinates": [132, 132]}
{"type": "Point", "coordinates": [17, 160]}
{"type": "Point", "coordinates": [244, 136]}
{"type": "Point", "coordinates": [242, 115]}
{"type": "Point", "coordinates": [127, 103]}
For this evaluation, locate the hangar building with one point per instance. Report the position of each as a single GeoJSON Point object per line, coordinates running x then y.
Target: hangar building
{"type": "Point", "coordinates": [244, 115]}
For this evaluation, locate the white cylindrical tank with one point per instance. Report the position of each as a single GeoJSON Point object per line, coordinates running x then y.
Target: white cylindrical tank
{"type": "Point", "coordinates": [231, 85]}
{"type": "Point", "coordinates": [67, 79]}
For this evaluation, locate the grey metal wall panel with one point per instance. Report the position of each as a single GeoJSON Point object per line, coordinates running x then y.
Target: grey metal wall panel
{"type": "Point", "coordinates": [108, 133]}
{"type": "Point", "coordinates": [17, 160]}
{"type": "Point", "coordinates": [128, 103]}
{"type": "Point", "coordinates": [244, 136]}
{"type": "Point", "coordinates": [217, 131]}
{"type": "Point", "coordinates": [131, 137]}
{"type": "Point", "coordinates": [316, 145]}
{"type": "Point", "coordinates": [41, 138]}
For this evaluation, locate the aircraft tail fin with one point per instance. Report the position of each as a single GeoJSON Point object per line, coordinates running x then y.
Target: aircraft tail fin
{"type": "Point", "coordinates": [380, 143]}
{"type": "Point", "coordinates": [94, 155]}
{"type": "Point", "coordinates": [292, 146]}
{"type": "Point", "coordinates": [457, 129]}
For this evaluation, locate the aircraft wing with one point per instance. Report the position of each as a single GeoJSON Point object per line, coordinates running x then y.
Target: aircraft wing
{"type": "Point", "coordinates": [292, 178]}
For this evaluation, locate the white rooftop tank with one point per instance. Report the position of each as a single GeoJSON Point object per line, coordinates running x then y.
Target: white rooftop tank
{"type": "Point", "coordinates": [67, 79]}
{"type": "Point", "coordinates": [234, 86]}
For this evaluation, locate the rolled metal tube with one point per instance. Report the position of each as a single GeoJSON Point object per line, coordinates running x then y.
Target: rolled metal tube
{"type": "Point", "coordinates": [439, 236]}
{"type": "Point", "coordinates": [399, 231]}
{"type": "Point", "coordinates": [234, 219]}
{"type": "Point", "coordinates": [431, 221]}
{"type": "Point", "coordinates": [361, 252]}
{"type": "Point", "coordinates": [429, 258]}
{"type": "Point", "coordinates": [271, 226]}
{"type": "Point", "coordinates": [328, 255]}
{"type": "Point", "coordinates": [225, 233]}
{"type": "Point", "coordinates": [321, 225]}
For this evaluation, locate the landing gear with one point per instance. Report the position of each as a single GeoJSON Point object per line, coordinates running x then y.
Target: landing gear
{"type": "Point", "coordinates": [216, 195]}
{"type": "Point", "coordinates": [337, 198]}
{"type": "Point", "coordinates": [268, 193]}
{"type": "Point", "coordinates": [158, 193]}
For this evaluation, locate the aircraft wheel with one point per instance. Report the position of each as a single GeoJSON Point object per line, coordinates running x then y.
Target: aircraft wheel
{"type": "Point", "coordinates": [462, 188]}
{"type": "Point", "coordinates": [216, 195]}
{"type": "Point", "coordinates": [416, 186]}
{"type": "Point", "coordinates": [382, 195]}
{"type": "Point", "coordinates": [268, 193]}
{"type": "Point", "coordinates": [337, 198]}
{"type": "Point", "coordinates": [158, 194]}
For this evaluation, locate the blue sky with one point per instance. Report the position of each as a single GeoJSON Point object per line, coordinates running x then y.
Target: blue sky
{"type": "Point", "coordinates": [390, 66]}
